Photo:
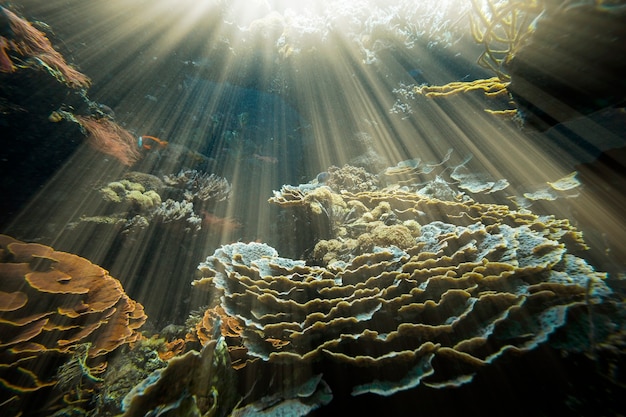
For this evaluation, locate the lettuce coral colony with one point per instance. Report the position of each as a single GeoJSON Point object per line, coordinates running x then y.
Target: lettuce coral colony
{"type": "Point", "coordinates": [57, 307]}
{"type": "Point", "coordinates": [477, 285]}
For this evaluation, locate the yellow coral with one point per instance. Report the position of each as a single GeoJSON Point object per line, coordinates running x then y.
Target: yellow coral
{"type": "Point", "coordinates": [413, 226]}
{"type": "Point", "coordinates": [330, 251]}
{"type": "Point", "coordinates": [491, 87]}
{"type": "Point", "coordinates": [110, 194]}
{"type": "Point", "coordinates": [143, 201]}
{"type": "Point", "coordinates": [326, 195]}
{"type": "Point", "coordinates": [133, 193]}
{"type": "Point", "coordinates": [382, 208]}
{"type": "Point", "coordinates": [384, 236]}
{"type": "Point", "coordinates": [132, 186]}
{"type": "Point", "coordinates": [502, 27]}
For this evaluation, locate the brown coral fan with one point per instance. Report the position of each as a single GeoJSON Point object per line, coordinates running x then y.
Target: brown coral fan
{"type": "Point", "coordinates": [110, 138]}
{"type": "Point", "coordinates": [55, 303]}
{"type": "Point", "coordinates": [480, 282]}
{"type": "Point", "coordinates": [30, 43]}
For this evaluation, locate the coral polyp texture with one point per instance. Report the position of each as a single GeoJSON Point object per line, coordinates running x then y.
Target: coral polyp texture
{"type": "Point", "coordinates": [57, 306]}
{"type": "Point", "coordinates": [441, 290]}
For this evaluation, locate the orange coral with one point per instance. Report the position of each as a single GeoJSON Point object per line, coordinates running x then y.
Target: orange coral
{"type": "Point", "coordinates": [173, 348]}
{"type": "Point", "coordinates": [110, 138]}
{"type": "Point", "coordinates": [230, 327]}
{"type": "Point", "coordinates": [6, 65]}
{"type": "Point", "coordinates": [53, 304]}
{"type": "Point", "coordinates": [30, 42]}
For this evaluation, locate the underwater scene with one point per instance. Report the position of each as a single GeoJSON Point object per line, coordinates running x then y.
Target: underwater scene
{"type": "Point", "coordinates": [312, 208]}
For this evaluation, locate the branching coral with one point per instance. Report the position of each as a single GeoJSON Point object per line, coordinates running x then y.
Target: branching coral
{"type": "Point", "coordinates": [174, 211]}
{"type": "Point", "coordinates": [490, 86]}
{"type": "Point", "coordinates": [502, 27]}
{"type": "Point", "coordinates": [200, 186]}
{"type": "Point", "coordinates": [136, 202]}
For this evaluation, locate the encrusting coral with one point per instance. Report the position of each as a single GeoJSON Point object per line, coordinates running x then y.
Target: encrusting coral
{"type": "Point", "coordinates": [56, 305]}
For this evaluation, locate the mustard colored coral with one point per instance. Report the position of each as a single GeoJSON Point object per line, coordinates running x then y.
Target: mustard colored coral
{"type": "Point", "coordinates": [133, 194]}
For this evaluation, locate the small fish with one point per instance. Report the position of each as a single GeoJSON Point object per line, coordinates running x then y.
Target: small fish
{"type": "Point", "coordinates": [146, 142]}
{"type": "Point", "coordinates": [224, 224]}
{"type": "Point", "coordinates": [322, 177]}
{"type": "Point", "coordinates": [264, 158]}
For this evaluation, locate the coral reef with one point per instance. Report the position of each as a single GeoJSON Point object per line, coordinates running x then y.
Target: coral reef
{"type": "Point", "coordinates": [519, 38]}
{"type": "Point", "coordinates": [175, 211]}
{"type": "Point", "coordinates": [231, 328]}
{"type": "Point", "coordinates": [408, 291]}
{"type": "Point", "coordinates": [148, 181]}
{"type": "Point", "coordinates": [502, 28]}
{"type": "Point", "coordinates": [351, 178]}
{"type": "Point", "coordinates": [295, 402]}
{"type": "Point", "coordinates": [126, 370]}
{"type": "Point", "coordinates": [55, 306]}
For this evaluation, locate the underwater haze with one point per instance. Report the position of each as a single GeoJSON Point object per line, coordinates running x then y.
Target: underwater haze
{"type": "Point", "coordinates": [288, 208]}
